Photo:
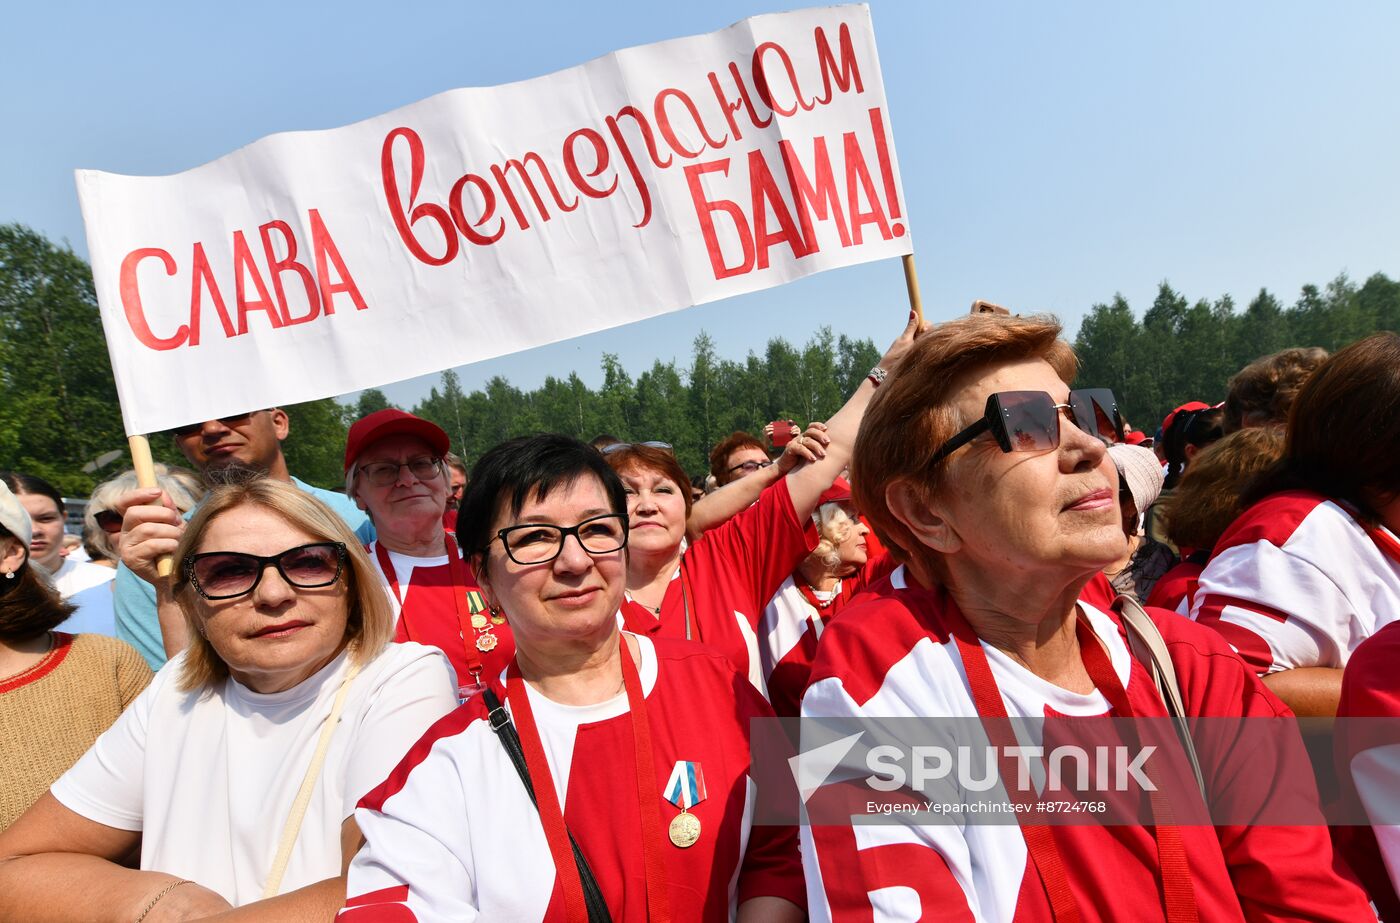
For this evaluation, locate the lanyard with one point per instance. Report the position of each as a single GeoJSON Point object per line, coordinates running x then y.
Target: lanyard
{"type": "Point", "coordinates": [457, 568]}
{"type": "Point", "coordinates": [552, 817]}
{"type": "Point", "coordinates": [1174, 874]}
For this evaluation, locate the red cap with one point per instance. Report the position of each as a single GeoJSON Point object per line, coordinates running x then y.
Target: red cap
{"type": "Point", "coordinates": [1189, 405]}
{"type": "Point", "coordinates": [392, 422]}
{"type": "Point", "coordinates": [838, 492]}
{"type": "Point", "coordinates": [1136, 437]}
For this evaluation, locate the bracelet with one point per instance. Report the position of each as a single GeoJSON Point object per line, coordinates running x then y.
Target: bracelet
{"type": "Point", "coordinates": [877, 376]}
{"type": "Point", "coordinates": [163, 891]}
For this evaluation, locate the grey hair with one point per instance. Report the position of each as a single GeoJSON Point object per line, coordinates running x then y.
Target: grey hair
{"type": "Point", "coordinates": [183, 485]}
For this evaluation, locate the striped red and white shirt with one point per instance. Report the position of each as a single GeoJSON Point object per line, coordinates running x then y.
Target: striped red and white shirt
{"type": "Point", "coordinates": [451, 836]}
{"type": "Point", "coordinates": [892, 655]}
{"type": "Point", "coordinates": [1296, 581]}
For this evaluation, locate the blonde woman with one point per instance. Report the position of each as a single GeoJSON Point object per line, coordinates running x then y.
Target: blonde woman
{"type": "Point", "coordinates": [237, 772]}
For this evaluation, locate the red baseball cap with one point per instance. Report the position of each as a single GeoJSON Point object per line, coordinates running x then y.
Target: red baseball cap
{"type": "Point", "coordinates": [1189, 405]}
{"type": "Point", "coordinates": [392, 422]}
{"type": "Point", "coordinates": [1136, 437]}
{"type": "Point", "coordinates": [838, 492]}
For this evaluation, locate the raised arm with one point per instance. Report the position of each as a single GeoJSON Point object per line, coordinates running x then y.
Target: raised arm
{"type": "Point", "coordinates": [721, 505]}
{"type": "Point", "coordinates": [807, 482]}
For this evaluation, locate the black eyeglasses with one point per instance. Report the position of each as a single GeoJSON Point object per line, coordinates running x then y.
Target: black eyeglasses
{"type": "Point", "coordinates": [226, 574]}
{"type": "Point", "coordinates": [190, 429]}
{"type": "Point", "coordinates": [541, 542]}
{"type": "Point", "coordinates": [1029, 421]}
{"type": "Point", "coordinates": [749, 467]}
{"type": "Point", "coordinates": [109, 521]}
{"type": "Point", "coordinates": [382, 474]}
{"type": "Point", "coordinates": [619, 446]}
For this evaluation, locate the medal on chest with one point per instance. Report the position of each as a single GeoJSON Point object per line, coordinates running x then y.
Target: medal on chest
{"type": "Point", "coordinates": [482, 622]}
{"type": "Point", "coordinates": [685, 789]}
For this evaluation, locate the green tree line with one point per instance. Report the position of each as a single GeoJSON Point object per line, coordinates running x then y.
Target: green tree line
{"type": "Point", "coordinates": [59, 410]}
{"type": "Point", "coordinates": [1181, 351]}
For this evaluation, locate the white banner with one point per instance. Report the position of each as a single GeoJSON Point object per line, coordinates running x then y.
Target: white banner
{"type": "Point", "coordinates": [484, 221]}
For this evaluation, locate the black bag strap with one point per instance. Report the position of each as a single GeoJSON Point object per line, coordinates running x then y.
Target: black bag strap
{"type": "Point", "coordinates": [510, 740]}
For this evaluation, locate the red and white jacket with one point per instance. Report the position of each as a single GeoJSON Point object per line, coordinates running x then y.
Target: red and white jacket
{"type": "Point", "coordinates": [892, 655]}
{"type": "Point", "coordinates": [1296, 581]}
{"type": "Point", "coordinates": [451, 836]}
{"type": "Point", "coordinates": [726, 578]}
{"type": "Point", "coordinates": [793, 625]}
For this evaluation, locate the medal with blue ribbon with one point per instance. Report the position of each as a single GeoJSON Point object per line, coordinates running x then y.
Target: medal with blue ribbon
{"type": "Point", "coordinates": [685, 789]}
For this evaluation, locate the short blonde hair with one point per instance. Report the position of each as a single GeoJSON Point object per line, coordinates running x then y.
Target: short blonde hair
{"type": "Point", "coordinates": [369, 619]}
{"type": "Point", "coordinates": [183, 485]}
{"type": "Point", "coordinates": [912, 416]}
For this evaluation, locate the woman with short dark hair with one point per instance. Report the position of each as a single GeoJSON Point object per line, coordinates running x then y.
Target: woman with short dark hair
{"type": "Point", "coordinates": [635, 749]}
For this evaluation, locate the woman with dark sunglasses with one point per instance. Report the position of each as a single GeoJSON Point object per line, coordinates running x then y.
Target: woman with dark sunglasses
{"type": "Point", "coordinates": [715, 588]}
{"type": "Point", "coordinates": [236, 773]}
{"type": "Point", "coordinates": [634, 748]}
{"type": "Point", "coordinates": [990, 480]}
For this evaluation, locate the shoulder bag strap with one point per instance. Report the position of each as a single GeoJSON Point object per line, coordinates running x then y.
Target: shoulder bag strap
{"type": "Point", "coordinates": [510, 740]}
{"type": "Point", "coordinates": [292, 827]}
{"type": "Point", "coordinates": [1149, 648]}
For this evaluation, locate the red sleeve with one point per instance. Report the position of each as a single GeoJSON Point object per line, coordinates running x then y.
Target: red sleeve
{"type": "Point", "coordinates": [1174, 586]}
{"type": "Point", "coordinates": [772, 865]}
{"type": "Point", "coordinates": [1370, 689]}
{"type": "Point", "coordinates": [1279, 872]}
{"type": "Point", "coordinates": [756, 549]}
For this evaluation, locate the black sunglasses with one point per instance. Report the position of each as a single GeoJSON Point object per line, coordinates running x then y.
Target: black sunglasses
{"type": "Point", "coordinates": [189, 429]}
{"type": "Point", "coordinates": [109, 521]}
{"type": "Point", "coordinates": [1029, 421]}
{"type": "Point", "coordinates": [226, 574]}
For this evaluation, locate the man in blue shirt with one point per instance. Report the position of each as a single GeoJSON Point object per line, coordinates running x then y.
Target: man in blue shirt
{"type": "Point", "coordinates": [230, 448]}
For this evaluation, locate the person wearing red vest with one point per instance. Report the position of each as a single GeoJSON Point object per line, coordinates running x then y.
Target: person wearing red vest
{"type": "Point", "coordinates": [394, 471]}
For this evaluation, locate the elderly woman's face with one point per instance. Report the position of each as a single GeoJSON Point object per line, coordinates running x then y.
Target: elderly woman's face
{"type": "Point", "coordinates": [655, 510]}
{"type": "Point", "coordinates": [1013, 512]}
{"type": "Point", "coordinates": [571, 599]}
{"type": "Point", "coordinates": [277, 635]}
{"type": "Point", "coordinates": [407, 497]}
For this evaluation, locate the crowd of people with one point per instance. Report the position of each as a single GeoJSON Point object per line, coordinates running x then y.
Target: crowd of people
{"type": "Point", "coordinates": [531, 691]}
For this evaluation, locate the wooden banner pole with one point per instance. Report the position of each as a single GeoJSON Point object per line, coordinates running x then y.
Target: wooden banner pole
{"type": "Point", "coordinates": [145, 467]}
{"type": "Point", "coordinates": [911, 280]}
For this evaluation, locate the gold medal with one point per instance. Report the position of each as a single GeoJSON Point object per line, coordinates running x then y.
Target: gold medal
{"type": "Point", "coordinates": [478, 621]}
{"type": "Point", "coordinates": [486, 642]}
{"type": "Point", "coordinates": [685, 830]}
{"type": "Point", "coordinates": [498, 620]}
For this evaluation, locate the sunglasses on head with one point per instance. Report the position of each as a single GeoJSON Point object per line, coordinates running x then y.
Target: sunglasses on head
{"type": "Point", "coordinates": [1029, 421]}
{"type": "Point", "coordinates": [619, 446]}
{"type": "Point", "coordinates": [226, 574]}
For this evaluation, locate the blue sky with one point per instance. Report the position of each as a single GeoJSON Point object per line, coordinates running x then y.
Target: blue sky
{"type": "Point", "coordinates": [1052, 154]}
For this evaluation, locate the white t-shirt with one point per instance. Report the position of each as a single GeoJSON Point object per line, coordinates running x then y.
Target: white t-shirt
{"type": "Point", "coordinates": [209, 777]}
{"type": "Point", "coordinates": [75, 576]}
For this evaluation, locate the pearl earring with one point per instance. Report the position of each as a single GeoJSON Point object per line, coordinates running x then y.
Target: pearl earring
{"type": "Point", "coordinates": [10, 575]}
